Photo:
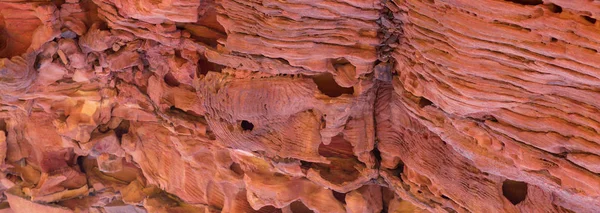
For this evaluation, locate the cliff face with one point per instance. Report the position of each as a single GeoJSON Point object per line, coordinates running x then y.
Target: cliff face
{"type": "Point", "coordinates": [299, 106]}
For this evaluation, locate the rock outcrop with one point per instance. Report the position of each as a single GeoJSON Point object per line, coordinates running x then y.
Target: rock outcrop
{"type": "Point", "coordinates": [299, 106]}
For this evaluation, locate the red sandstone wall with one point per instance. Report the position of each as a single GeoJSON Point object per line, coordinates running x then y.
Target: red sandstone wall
{"type": "Point", "coordinates": [299, 106]}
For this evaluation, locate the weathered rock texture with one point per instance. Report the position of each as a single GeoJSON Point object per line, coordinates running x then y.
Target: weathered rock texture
{"type": "Point", "coordinates": [299, 106]}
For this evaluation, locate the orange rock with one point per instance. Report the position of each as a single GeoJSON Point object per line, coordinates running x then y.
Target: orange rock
{"type": "Point", "coordinates": [299, 106]}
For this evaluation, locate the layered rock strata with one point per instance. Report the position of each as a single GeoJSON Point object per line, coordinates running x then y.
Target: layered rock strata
{"type": "Point", "coordinates": [299, 106]}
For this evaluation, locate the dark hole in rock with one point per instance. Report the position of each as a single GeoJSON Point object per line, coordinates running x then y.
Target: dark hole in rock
{"type": "Point", "coordinates": [387, 196]}
{"type": "Point", "coordinates": [423, 102]}
{"type": "Point", "coordinates": [122, 129]}
{"type": "Point", "coordinates": [235, 167]}
{"type": "Point", "coordinates": [3, 37]}
{"type": "Point", "coordinates": [329, 87]}
{"type": "Point", "coordinates": [553, 39]}
{"type": "Point", "coordinates": [13, 177]}
{"type": "Point", "coordinates": [178, 53]}
{"type": "Point", "coordinates": [305, 165]}
{"type": "Point", "coordinates": [514, 191]}
{"type": "Point", "coordinates": [445, 197]}
{"type": "Point", "coordinates": [589, 19]}
{"type": "Point", "coordinates": [80, 161]}
{"type": "Point", "coordinates": [269, 209]}
{"type": "Point", "coordinates": [323, 122]}
{"type": "Point", "coordinates": [555, 8]}
{"type": "Point", "coordinates": [339, 147]}
{"type": "Point", "coordinates": [247, 126]}
{"type": "Point", "coordinates": [36, 64]}
{"type": "Point", "coordinates": [299, 207]}
{"type": "Point", "coordinates": [490, 118]}
{"type": "Point", "coordinates": [377, 154]}
{"type": "Point", "coordinates": [171, 80]}
{"type": "Point", "coordinates": [204, 66]}
{"type": "Point", "coordinates": [399, 169]}
{"type": "Point", "coordinates": [340, 196]}
{"type": "Point", "coordinates": [527, 2]}
{"type": "Point", "coordinates": [58, 3]}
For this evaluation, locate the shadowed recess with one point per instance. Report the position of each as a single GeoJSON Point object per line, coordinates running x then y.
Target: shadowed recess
{"type": "Point", "coordinates": [340, 196]}
{"type": "Point", "coordinates": [423, 102]}
{"type": "Point", "coordinates": [329, 87]}
{"type": "Point", "coordinates": [514, 191]}
{"type": "Point", "coordinates": [299, 207]}
{"type": "Point", "coordinates": [339, 147]}
{"type": "Point", "coordinates": [555, 8]}
{"type": "Point", "coordinates": [527, 2]}
{"type": "Point", "coordinates": [171, 80]}
{"type": "Point", "coordinates": [247, 126]}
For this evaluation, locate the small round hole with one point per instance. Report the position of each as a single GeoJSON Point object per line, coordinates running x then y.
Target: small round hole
{"type": "Point", "coordinates": [247, 126]}
{"type": "Point", "coordinates": [555, 8]}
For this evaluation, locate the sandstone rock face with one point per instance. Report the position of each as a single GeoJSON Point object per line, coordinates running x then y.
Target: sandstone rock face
{"type": "Point", "coordinates": [299, 106]}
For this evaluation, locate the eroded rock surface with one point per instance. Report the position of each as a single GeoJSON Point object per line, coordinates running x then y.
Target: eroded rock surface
{"type": "Point", "coordinates": [299, 106]}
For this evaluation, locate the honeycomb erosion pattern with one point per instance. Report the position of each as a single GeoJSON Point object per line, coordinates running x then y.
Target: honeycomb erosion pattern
{"type": "Point", "coordinates": [295, 106]}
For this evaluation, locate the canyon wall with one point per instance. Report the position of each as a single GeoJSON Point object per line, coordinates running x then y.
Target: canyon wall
{"type": "Point", "coordinates": [298, 106]}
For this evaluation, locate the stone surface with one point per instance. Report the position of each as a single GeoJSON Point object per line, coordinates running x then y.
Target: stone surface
{"type": "Point", "coordinates": [299, 106]}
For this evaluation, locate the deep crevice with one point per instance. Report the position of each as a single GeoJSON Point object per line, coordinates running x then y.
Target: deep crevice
{"type": "Point", "coordinates": [122, 129]}
{"type": "Point", "coordinates": [589, 19]}
{"type": "Point", "coordinates": [527, 2]}
{"type": "Point", "coordinates": [423, 102]}
{"type": "Point", "coordinates": [377, 155]}
{"type": "Point", "coordinates": [204, 66]}
{"type": "Point", "coordinates": [80, 163]}
{"type": "Point", "coordinates": [305, 166]}
{"type": "Point", "coordinates": [514, 191]}
{"type": "Point", "coordinates": [387, 195]}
